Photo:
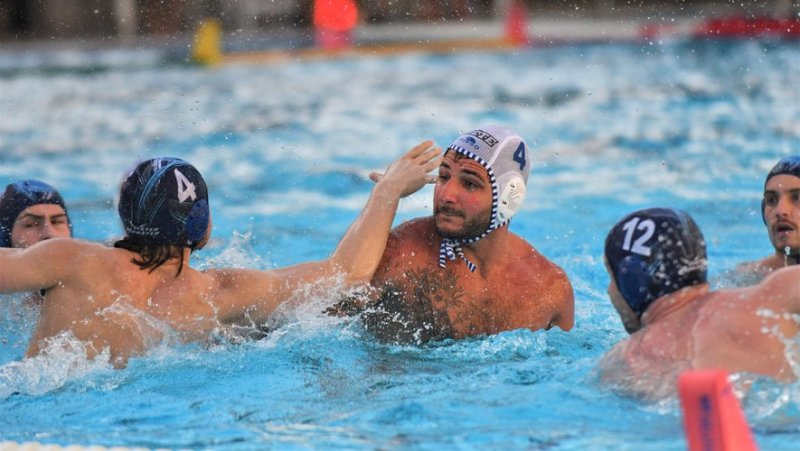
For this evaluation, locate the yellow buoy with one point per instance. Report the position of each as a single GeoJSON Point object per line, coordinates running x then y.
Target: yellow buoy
{"type": "Point", "coordinates": [207, 47]}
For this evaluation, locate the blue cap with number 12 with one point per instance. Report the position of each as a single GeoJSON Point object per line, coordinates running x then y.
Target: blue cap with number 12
{"type": "Point", "coordinates": [654, 252]}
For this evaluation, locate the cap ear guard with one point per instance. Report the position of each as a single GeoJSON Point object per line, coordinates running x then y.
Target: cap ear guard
{"type": "Point", "coordinates": [633, 281]}
{"type": "Point", "coordinates": [511, 198]}
{"type": "Point", "coordinates": [197, 222]}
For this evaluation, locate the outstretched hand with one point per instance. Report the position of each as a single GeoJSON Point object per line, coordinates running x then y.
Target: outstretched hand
{"type": "Point", "coordinates": [409, 173]}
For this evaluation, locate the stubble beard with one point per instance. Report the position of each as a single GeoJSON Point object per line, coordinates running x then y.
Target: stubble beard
{"type": "Point", "coordinates": [472, 227]}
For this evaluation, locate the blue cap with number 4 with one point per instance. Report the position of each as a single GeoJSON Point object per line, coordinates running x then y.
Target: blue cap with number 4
{"type": "Point", "coordinates": [654, 252]}
{"type": "Point", "coordinates": [164, 201]}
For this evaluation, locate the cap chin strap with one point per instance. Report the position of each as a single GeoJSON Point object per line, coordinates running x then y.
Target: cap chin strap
{"type": "Point", "coordinates": [448, 251]}
{"type": "Point", "coordinates": [502, 212]}
{"type": "Point", "coordinates": [451, 248]}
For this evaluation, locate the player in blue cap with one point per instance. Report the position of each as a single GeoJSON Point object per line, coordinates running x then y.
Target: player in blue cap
{"type": "Point", "coordinates": [461, 272]}
{"type": "Point", "coordinates": [121, 299]}
{"type": "Point", "coordinates": [780, 210]}
{"type": "Point", "coordinates": [656, 259]}
{"type": "Point", "coordinates": [32, 211]}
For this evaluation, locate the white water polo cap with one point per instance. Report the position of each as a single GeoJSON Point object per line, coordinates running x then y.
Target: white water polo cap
{"type": "Point", "coordinates": [505, 156]}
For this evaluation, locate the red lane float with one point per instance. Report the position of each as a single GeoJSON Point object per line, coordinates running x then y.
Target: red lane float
{"type": "Point", "coordinates": [712, 417]}
{"type": "Point", "coordinates": [741, 26]}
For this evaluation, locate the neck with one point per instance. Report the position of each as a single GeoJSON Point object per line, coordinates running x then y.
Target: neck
{"type": "Point", "coordinates": [783, 259]}
{"type": "Point", "coordinates": [669, 304]}
{"type": "Point", "coordinates": [485, 251]}
{"type": "Point", "coordinates": [176, 265]}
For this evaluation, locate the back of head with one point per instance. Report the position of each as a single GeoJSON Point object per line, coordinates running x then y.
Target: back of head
{"type": "Point", "coordinates": [654, 252]}
{"type": "Point", "coordinates": [18, 197]}
{"type": "Point", "coordinates": [164, 202]}
{"type": "Point", "coordinates": [504, 154]}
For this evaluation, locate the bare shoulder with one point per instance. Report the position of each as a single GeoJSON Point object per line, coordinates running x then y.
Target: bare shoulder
{"type": "Point", "coordinates": [529, 261]}
{"type": "Point", "coordinates": [783, 285]}
{"type": "Point", "coordinates": [755, 267]}
{"type": "Point", "coordinates": [412, 242]}
{"type": "Point", "coordinates": [63, 256]}
{"type": "Point", "coordinates": [545, 281]}
{"type": "Point", "coordinates": [66, 247]}
{"type": "Point", "coordinates": [418, 231]}
{"type": "Point", "coordinates": [237, 279]}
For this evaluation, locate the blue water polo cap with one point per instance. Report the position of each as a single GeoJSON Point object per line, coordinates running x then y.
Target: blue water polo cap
{"type": "Point", "coordinates": [654, 252]}
{"type": "Point", "coordinates": [507, 160]}
{"type": "Point", "coordinates": [21, 195]}
{"type": "Point", "coordinates": [787, 166]}
{"type": "Point", "coordinates": [164, 201]}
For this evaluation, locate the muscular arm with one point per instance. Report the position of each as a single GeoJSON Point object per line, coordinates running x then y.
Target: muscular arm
{"type": "Point", "coordinates": [259, 293]}
{"type": "Point", "coordinates": [362, 247]}
{"type": "Point", "coordinates": [41, 266]}
{"type": "Point", "coordinates": [563, 301]}
{"type": "Point", "coordinates": [546, 295]}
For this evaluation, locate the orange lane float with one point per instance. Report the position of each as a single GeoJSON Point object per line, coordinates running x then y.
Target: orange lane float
{"type": "Point", "coordinates": [712, 417]}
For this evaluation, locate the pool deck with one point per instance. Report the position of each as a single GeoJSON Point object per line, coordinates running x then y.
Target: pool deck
{"type": "Point", "coordinates": [289, 43]}
{"type": "Point", "coordinates": [284, 42]}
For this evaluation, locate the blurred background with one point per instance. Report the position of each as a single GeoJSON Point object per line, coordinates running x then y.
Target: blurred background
{"type": "Point", "coordinates": [114, 21]}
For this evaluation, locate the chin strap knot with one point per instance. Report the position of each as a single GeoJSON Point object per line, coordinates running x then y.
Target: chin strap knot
{"type": "Point", "coordinates": [448, 251]}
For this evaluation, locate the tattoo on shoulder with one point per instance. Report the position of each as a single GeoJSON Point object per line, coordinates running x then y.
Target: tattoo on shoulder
{"type": "Point", "coordinates": [414, 308]}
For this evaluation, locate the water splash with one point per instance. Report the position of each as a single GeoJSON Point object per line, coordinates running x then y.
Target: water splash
{"type": "Point", "coordinates": [62, 358]}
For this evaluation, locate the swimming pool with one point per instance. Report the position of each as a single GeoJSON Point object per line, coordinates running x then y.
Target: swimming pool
{"type": "Point", "coordinates": [285, 150]}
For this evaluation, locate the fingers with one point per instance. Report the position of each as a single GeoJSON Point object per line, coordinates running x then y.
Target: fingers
{"type": "Point", "coordinates": [375, 176]}
{"type": "Point", "coordinates": [428, 154]}
{"type": "Point", "coordinates": [419, 148]}
{"type": "Point", "coordinates": [431, 179]}
{"type": "Point", "coordinates": [432, 165]}
{"type": "Point", "coordinates": [430, 159]}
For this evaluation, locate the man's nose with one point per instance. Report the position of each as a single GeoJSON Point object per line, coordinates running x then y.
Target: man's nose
{"type": "Point", "coordinates": [47, 231]}
{"type": "Point", "coordinates": [783, 207]}
{"type": "Point", "coordinates": [448, 191]}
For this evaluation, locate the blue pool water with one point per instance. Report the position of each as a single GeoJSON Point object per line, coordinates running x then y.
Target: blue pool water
{"type": "Point", "coordinates": [286, 149]}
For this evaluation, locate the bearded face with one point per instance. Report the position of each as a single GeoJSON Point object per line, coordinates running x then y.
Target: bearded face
{"type": "Point", "coordinates": [462, 198]}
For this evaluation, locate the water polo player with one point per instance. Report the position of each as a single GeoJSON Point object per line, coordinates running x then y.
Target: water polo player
{"type": "Point", "coordinates": [780, 210]}
{"type": "Point", "coordinates": [32, 211]}
{"type": "Point", "coordinates": [656, 260]}
{"type": "Point", "coordinates": [124, 300]}
{"type": "Point", "coordinates": [461, 272]}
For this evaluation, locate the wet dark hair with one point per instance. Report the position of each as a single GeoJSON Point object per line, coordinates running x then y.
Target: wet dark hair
{"type": "Point", "coordinates": [163, 205]}
{"type": "Point", "coordinates": [152, 255]}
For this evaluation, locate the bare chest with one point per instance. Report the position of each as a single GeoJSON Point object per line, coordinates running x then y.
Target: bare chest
{"type": "Point", "coordinates": [430, 303]}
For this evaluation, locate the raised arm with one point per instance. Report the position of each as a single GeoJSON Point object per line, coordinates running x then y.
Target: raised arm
{"type": "Point", "coordinates": [356, 257]}
{"type": "Point", "coordinates": [361, 248]}
{"type": "Point", "coordinates": [40, 266]}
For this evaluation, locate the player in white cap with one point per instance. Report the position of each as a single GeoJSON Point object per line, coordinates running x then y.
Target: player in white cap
{"type": "Point", "coordinates": [461, 272]}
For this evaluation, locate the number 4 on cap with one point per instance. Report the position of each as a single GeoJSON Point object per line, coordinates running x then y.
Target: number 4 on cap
{"type": "Point", "coordinates": [519, 156]}
{"type": "Point", "coordinates": [185, 187]}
